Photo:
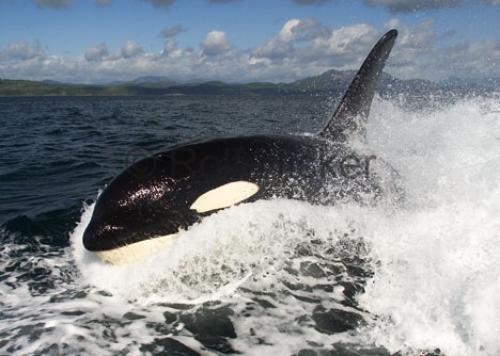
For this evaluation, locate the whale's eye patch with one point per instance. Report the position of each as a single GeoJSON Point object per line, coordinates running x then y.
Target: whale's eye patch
{"type": "Point", "coordinates": [224, 196]}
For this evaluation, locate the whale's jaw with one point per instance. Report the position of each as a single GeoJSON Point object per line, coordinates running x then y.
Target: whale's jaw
{"type": "Point", "coordinates": [136, 251]}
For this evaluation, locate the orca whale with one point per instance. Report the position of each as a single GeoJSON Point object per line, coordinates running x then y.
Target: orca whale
{"type": "Point", "coordinates": [144, 207]}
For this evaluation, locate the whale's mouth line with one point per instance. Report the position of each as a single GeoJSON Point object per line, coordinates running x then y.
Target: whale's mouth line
{"type": "Point", "coordinates": [136, 251]}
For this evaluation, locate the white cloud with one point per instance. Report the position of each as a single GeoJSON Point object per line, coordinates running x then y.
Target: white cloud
{"type": "Point", "coordinates": [172, 50]}
{"type": "Point", "coordinates": [131, 49]}
{"type": "Point", "coordinates": [21, 51]}
{"type": "Point", "coordinates": [287, 31]}
{"type": "Point", "coordinates": [302, 30]}
{"type": "Point", "coordinates": [173, 31]}
{"type": "Point", "coordinates": [415, 50]}
{"type": "Point", "coordinates": [402, 5]}
{"type": "Point", "coordinates": [467, 59]}
{"type": "Point", "coordinates": [347, 41]}
{"type": "Point", "coordinates": [275, 49]}
{"type": "Point", "coordinates": [392, 5]}
{"type": "Point", "coordinates": [309, 46]}
{"type": "Point", "coordinates": [413, 5]}
{"type": "Point", "coordinates": [302, 47]}
{"type": "Point", "coordinates": [293, 32]}
{"type": "Point", "coordinates": [215, 43]}
{"type": "Point", "coordinates": [97, 52]}
{"type": "Point", "coordinates": [392, 23]}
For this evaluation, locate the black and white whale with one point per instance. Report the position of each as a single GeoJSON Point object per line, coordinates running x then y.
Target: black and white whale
{"type": "Point", "coordinates": [144, 208]}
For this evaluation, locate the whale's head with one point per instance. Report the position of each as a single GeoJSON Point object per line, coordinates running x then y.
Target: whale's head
{"type": "Point", "coordinates": [137, 213]}
{"type": "Point", "coordinates": [145, 207]}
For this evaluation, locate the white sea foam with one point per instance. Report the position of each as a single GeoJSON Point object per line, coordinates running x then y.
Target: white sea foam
{"type": "Point", "coordinates": [437, 271]}
{"type": "Point", "coordinates": [439, 267]}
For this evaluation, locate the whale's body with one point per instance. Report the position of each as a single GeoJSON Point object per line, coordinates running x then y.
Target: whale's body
{"type": "Point", "coordinates": [146, 205]}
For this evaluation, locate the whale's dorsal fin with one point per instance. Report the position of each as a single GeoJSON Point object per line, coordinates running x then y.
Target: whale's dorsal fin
{"type": "Point", "coordinates": [351, 114]}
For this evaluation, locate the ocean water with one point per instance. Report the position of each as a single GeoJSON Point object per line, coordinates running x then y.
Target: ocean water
{"type": "Point", "coordinates": [272, 277]}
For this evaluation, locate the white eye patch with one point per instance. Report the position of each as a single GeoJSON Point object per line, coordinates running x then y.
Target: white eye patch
{"type": "Point", "coordinates": [224, 196]}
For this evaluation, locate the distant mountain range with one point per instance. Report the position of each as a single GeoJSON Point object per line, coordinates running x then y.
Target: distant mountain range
{"type": "Point", "coordinates": [332, 82]}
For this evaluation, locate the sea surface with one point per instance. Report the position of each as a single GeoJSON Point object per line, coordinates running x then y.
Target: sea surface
{"type": "Point", "coordinates": [275, 277]}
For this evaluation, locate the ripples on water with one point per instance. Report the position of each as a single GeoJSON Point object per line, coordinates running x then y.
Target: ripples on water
{"type": "Point", "coordinates": [273, 277]}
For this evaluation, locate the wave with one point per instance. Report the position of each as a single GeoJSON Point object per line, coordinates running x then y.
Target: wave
{"type": "Point", "coordinates": [426, 276]}
{"type": "Point", "coordinates": [284, 276]}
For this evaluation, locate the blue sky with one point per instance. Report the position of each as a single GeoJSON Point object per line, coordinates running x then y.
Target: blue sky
{"type": "Point", "coordinates": [242, 40]}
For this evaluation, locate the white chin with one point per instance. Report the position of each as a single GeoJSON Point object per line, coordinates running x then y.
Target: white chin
{"type": "Point", "coordinates": [136, 251]}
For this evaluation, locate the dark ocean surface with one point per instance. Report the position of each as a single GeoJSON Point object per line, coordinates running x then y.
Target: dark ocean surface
{"type": "Point", "coordinates": [272, 277]}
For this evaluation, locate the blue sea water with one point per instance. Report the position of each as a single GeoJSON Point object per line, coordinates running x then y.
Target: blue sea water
{"type": "Point", "coordinates": [273, 277]}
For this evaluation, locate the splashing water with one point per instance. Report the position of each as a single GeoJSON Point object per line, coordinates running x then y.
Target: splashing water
{"type": "Point", "coordinates": [438, 271]}
{"type": "Point", "coordinates": [435, 265]}
{"type": "Point", "coordinates": [284, 276]}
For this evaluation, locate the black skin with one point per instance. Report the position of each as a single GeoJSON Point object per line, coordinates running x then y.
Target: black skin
{"type": "Point", "coordinates": [152, 197]}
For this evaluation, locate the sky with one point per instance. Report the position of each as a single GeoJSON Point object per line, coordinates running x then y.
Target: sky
{"type": "Point", "coordinates": [99, 41]}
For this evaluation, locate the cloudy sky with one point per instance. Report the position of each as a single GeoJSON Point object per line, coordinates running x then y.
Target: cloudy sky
{"type": "Point", "coordinates": [94, 41]}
